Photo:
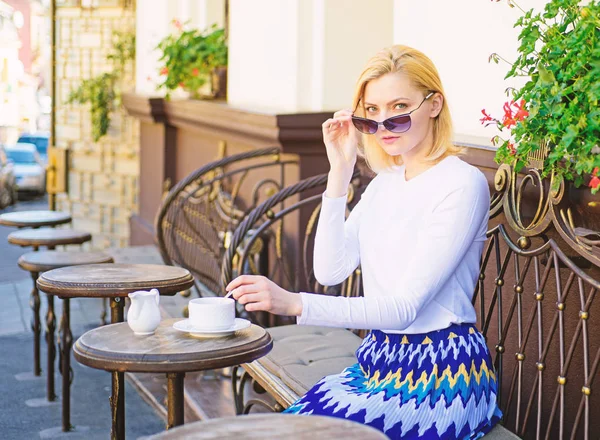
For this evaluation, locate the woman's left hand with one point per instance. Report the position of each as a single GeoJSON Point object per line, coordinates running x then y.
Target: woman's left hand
{"type": "Point", "coordinates": [258, 293]}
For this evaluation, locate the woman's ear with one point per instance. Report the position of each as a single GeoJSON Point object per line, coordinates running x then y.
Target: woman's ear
{"type": "Point", "coordinates": [437, 102]}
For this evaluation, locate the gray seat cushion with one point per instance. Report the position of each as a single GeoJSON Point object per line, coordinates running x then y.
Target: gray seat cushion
{"type": "Point", "coordinates": [302, 355]}
{"type": "Point", "coordinates": [500, 433]}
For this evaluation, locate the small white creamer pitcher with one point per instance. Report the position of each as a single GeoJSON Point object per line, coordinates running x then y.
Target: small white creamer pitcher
{"type": "Point", "coordinates": [143, 316]}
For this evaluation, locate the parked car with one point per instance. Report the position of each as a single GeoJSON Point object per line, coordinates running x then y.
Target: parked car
{"type": "Point", "coordinates": [40, 140]}
{"type": "Point", "coordinates": [29, 168]}
{"type": "Point", "coordinates": [8, 180]}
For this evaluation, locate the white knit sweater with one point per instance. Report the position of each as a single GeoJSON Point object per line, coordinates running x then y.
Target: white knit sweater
{"type": "Point", "coordinates": [419, 244]}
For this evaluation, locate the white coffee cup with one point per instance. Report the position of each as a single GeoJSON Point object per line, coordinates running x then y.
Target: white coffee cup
{"type": "Point", "coordinates": [212, 313]}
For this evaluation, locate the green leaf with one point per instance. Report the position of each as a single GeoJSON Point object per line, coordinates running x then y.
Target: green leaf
{"type": "Point", "coordinates": [546, 76]}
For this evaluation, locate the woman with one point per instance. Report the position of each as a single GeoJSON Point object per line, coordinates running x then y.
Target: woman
{"type": "Point", "coordinates": [424, 371]}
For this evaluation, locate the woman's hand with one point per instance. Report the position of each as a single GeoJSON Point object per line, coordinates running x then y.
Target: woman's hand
{"type": "Point", "coordinates": [258, 293]}
{"type": "Point", "coordinates": [341, 141]}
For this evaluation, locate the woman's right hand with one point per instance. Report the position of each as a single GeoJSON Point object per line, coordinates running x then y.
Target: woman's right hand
{"type": "Point", "coordinates": [341, 141]}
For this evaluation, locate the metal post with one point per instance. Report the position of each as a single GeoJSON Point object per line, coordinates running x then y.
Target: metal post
{"type": "Point", "coordinates": [66, 343]}
{"type": "Point", "coordinates": [34, 303]}
{"type": "Point", "coordinates": [50, 328]}
{"type": "Point", "coordinates": [174, 399]}
{"type": "Point", "coordinates": [117, 399]}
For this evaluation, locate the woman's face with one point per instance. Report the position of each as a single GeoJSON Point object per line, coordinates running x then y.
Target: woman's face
{"type": "Point", "coordinates": [393, 94]}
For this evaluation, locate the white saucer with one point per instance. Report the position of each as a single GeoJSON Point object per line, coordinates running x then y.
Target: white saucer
{"type": "Point", "coordinates": [186, 327]}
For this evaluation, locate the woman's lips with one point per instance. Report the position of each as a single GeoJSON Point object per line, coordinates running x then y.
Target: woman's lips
{"type": "Point", "coordinates": [389, 139]}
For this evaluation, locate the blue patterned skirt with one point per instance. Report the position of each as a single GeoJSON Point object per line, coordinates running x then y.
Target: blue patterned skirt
{"type": "Point", "coordinates": [437, 385]}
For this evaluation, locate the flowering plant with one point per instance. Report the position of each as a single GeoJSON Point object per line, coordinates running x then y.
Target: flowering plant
{"type": "Point", "coordinates": [557, 108]}
{"type": "Point", "coordinates": [190, 56]}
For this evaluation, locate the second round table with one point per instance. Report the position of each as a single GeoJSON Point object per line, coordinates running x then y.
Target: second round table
{"type": "Point", "coordinates": [114, 281]}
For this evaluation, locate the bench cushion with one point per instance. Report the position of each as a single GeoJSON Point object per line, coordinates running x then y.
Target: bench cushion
{"type": "Point", "coordinates": [302, 355]}
{"type": "Point", "coordinates": [500, 433]}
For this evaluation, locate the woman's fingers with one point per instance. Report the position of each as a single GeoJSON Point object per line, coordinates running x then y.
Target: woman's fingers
{"type": "Point", "coordinates": [257, 301]}
{"type": "Point", "coordinates": [258, 293]}
{"type": "Point", "coordinates": [261, 301]}
{"type": "Point", "coordinates": [256, 307]}
{"type": "Point", "coordinates": [337, 121]}
{"type": "Point", "coordinates": [242, 280]}
{"type": "Point", "coordinates": [249, 298]}
{"type": "Point", "coordinates": [342, 113]}
{"type": "Point", "coordinates": [239, 292]}
{"type": "Point", "coordinates": [329, 124]}
{"type": "Point", "coordinates": [333, 124]}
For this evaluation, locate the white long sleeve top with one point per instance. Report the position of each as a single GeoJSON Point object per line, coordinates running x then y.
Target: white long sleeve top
{"type": "Point", "coordinates": [419, 243]}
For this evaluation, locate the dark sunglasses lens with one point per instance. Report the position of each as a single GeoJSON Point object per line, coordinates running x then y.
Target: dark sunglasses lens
{"type": "Point", "coordinates": [365, 126]}
{"type": "Point", "coordinates": [398, 124]}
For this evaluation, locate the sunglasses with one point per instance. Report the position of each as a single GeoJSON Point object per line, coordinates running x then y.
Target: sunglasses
{"type": "Point", "coordinates": [395, 124]}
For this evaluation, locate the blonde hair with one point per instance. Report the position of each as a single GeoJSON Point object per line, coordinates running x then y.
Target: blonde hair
{"type": "Point", "coordinates": [422, 73]}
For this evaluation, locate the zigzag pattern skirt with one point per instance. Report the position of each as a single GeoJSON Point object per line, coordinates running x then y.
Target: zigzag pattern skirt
{"type": "Point", "coordinates": [437, 385]}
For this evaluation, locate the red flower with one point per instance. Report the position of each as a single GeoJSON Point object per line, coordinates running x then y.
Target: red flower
{"type": "Point", "coordinates": [177, 24]}
{"type": "Point", "coordinates": [182, 85]}
{"type": "Point", "coordinates": [195, 71]}
{"type": "Point", "coordinates": [513, 113]}
{"type": "Point", "coordinates": [508, 120]}
{"type": "Point", "coordinates": [521, 112]}
{"type": "Point", "coordinates": [511, 148]}
{"type": "Point", "coordinates": [486, 117]}
{"type": "Point", "coordinates": [164, 71]}
{"type": "Point", "coordinates": [595, 182]}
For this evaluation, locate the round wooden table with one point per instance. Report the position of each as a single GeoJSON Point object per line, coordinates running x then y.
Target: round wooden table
{"type": "Point", "coordinates": [116, 348]}
{"type": "Point", "coordinates": [34, 219]}
{"type": "Point", "coordinates": [42, 261]}
{"type": "Point", "coordinates": [49, 237]}
{"type": "Point", "coordinates": [273, 426]}
{"type": "Point", "coordinates": [113, 281]}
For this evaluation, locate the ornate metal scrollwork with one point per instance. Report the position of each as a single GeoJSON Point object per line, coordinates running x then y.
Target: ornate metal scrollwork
{"type": "Point", "coordinates": [517, 194]}
{"type": "Point", "coordinates": [197, 216]}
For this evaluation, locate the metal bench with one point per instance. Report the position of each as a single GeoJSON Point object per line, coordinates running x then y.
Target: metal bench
{"type": "Point", "coordinates": [198, 215]}
{"type": "Point", "coordinates": [535, 303]}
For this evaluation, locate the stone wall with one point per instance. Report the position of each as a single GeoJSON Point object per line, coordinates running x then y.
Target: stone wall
{"type": "Point", "coordinates": [103, 176]}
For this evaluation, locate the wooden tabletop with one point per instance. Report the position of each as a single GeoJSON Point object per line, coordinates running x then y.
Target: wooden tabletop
{"type": "Point", "coordinates": [272, 426]}
{"type": "Point", "coordinates": [31, 219]}
{"type": "Point", "coordinates": [114, 280]}
{"type": "Point", "coordinates": [48, 237]}
{"type": "Point", "coordinates": [43, 261]}
{"type": "Point", "coordinates": [116, 348]}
